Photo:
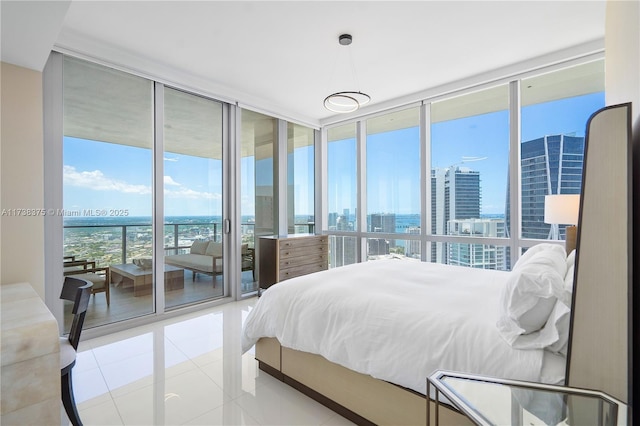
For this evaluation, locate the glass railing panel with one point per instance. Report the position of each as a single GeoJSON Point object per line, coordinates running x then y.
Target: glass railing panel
{"type": "Point", "coordinates": [108, 187]}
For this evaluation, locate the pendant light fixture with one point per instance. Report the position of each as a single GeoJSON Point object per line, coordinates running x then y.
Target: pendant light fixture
{"type": "Point", "coordinates": [347, 101]}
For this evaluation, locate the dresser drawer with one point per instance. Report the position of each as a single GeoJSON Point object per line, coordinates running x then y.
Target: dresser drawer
{"type": "Point", "coordinates": [304, 251]}
{"type": "Point", "coordinates": [297, 271]}
{"type": "Point", "coordinates": [295, 243]}
{"type": "Point", "coordinates": [306, 259]}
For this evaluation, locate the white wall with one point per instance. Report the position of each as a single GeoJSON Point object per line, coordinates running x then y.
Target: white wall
{"type": "Point", "coordinates": [622, 47]}
{"type": "Point", "coordinates": [22, 177]}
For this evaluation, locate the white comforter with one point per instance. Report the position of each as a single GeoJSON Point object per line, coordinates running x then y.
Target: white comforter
{"type": "Point", "coordinates": [394, 320]}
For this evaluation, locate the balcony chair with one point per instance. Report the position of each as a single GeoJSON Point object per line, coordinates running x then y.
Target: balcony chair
{"type": "Point", "coordinates": [205, 257]}
{"type": "Point", "coordinates": [77, 291]}
{"type": "Point", "coordinates": [87, 270]}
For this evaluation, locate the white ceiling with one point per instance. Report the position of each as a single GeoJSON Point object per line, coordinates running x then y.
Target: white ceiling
{"type": "Point", "coordinates": [284, 58]}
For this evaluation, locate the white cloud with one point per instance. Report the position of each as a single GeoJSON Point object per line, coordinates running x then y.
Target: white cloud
{"type": "Point", "coordinates": [168, 180]}
{"type": "Point", "coordinates": [183, 192]}
{"type": "Point", "coordinates": [170, 159]}
{"type": "Point", "coordinates": [96, 180]}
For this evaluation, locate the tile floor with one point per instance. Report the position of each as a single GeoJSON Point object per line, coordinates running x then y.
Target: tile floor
{"type": "Point", "coordinates": [187, 370]}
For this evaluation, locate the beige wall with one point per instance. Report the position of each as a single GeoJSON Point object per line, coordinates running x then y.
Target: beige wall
{"type": "Point", "coordinates": [22, 177]}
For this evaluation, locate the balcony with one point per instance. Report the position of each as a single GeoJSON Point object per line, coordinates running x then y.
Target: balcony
{"type": "Point", "coordinates": [110, 245]}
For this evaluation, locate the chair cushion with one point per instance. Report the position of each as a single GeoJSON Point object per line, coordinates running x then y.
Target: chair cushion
{"type": "Point", "coordinates": [67, 353]}
{"type": "Point", "coordinates": [199, 247]}
{"type": "Point", "coordinates": [214, 249]}
{"type": "Point", "coordinates": [199, 262]}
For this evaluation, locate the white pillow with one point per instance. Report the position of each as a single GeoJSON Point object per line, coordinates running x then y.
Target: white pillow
{"type": "Point", "coordinates": [546, 254]}
{"type": "Point", "coordinates": [568, 278]}
{"type": "Point", "coordinates": [527, 300]}
{"type": "Point", "coordinates": [559, 321]}
{"type": "Point", "coordinates": [571, 259]}
{"type": "Point", "coordinates": [554, 336]}
{"type": "Point", "coordinates": [199, 247]}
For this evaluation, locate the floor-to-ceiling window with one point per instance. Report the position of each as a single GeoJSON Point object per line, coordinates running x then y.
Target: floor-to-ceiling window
{"type": "Point", "coordinates": [300, 179]}
{"type": "Point", "coordinates": [107, 185]}
{"type": "Point", "coordinates": [519, 139]}
{"type": "Point", "coordinates": [143, 185]}
{"type": "Point", "coordinates": [555, 110]}
{"type": "Point", "coordinates": [469, 175]}
{"type": "Point", "coordinates": [257, 210]}
{"type": "Point", "coordinates": [342, 194]}
{"type": "Point", "coordinates": [193, 185]}
{"type": "Point", "coordinates": [393, 184]}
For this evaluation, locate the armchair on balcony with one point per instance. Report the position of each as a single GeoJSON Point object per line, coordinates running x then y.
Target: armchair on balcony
{"type": "Point", "coordinates": [87, 270]}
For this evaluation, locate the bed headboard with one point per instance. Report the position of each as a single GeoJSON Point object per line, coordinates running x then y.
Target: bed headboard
{"type": "Point", "coordinates": [599, 354]}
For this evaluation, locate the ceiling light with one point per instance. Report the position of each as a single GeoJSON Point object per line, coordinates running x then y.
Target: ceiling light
{"type": "Point", "coordinates": [346, 101]}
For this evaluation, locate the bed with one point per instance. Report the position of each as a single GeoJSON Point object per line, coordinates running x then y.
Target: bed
{"type": "Point", "coordinates": [362, 339]}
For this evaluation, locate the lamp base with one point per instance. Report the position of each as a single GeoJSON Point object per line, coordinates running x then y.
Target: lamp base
{"type": "Point", "coordinates": [571, 233]}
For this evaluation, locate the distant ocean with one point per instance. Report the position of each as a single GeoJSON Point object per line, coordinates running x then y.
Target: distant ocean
{"type": "Point", "coordinates": [144, 220]}
{"type": "Point", "coordinates": [403, 221]}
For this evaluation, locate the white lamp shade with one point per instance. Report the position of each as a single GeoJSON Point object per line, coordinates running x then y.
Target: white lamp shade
{"type": "Point", "coordinates": [561, 209]}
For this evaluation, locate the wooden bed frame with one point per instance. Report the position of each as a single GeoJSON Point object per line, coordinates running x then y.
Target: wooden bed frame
{"type": "Point", "coordinates": [600, 346]}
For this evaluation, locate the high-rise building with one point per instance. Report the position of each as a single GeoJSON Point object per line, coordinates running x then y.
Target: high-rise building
{"type": "Point", "coordinates": [483, 256]}
{"type": "Point", "coordinates": [455, 194]}
{"type": "Point", "coordinates": [383, 222]}
{"type": "Point", "coordinates": [342, 249]}
{"type": "Point", "coordinates": [377, 247]}
{"type": "Point", "coordinates": [550, 165]}
{"type": "Point", "coordinates": [333, 220]}
{"type": "Point", "coordinates": [413, 246]}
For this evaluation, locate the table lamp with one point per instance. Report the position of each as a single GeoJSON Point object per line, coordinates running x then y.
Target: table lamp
{"type": "Point", "coordinates": [562, 209]}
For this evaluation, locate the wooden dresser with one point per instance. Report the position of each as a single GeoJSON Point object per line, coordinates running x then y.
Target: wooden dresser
{"type": "Point", "coordinates": [287, 257]}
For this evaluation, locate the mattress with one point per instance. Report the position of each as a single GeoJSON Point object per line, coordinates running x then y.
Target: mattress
{"type": "Point", "coordinates": [398, 321]}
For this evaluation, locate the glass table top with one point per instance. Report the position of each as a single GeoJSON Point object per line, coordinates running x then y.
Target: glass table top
{"type": "Point", "coordinates": [504, 402]}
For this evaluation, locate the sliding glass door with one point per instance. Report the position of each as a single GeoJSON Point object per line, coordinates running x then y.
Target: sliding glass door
{"type": "Point", "coordinates": [257, 207]}
{"type": "Point", "coordinates": [193, 186]}
{"type": "Point", "coordinates": [114, 125]}
{"type": "Point", "coordinates": [107, 188]}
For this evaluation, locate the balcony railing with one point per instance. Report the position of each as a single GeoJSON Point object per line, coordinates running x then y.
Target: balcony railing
{"type": "Point", "coordinates": [112, 244]}
{"type": "Point", "coordinates": [119, 243]}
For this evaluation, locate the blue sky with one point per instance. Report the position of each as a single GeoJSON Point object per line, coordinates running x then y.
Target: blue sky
{"type": "Point", "coordinates": [100, 175]}
{"type": "Point", "coordinates": [393, 158]}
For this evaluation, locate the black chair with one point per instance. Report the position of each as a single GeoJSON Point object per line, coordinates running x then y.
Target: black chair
{"type": "Point", "coordinates": [77, 291]}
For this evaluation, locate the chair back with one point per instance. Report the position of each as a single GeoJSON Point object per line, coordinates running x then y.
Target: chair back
{"type": "Point", "coordinates": [77, 291]}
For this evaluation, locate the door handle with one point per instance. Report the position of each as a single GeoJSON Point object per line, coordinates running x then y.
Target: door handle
{"type": "Point", "coordinates": [227, 226]}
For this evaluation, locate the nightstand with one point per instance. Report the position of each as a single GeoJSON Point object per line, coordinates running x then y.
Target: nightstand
{"type": "Point", "coordinates": [489, 401]}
